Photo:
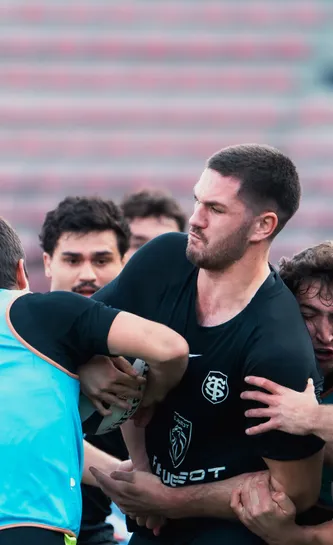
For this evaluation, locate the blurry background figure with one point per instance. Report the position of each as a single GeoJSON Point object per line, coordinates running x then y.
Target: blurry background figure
{"type": "Point", "coordinates": [84, 240]}
{"type": "Point", "coordinates": [108, 97]}
{"type": "Point", "coordinates": [150, 213]}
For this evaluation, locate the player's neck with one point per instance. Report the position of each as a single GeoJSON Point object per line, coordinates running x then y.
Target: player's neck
{"type": "Point", "coordinates": [221, 295]}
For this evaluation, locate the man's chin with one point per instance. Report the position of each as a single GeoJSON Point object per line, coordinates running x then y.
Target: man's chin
{"type": "Point", "coordinates": [193, 256]}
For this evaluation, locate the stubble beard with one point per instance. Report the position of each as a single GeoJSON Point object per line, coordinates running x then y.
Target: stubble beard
{"type": "Point", "coordinates": [224, 254]}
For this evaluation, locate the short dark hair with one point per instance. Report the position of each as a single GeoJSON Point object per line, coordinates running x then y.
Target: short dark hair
{"type": "Point", "coordinates": [311, 265]}
{"type": "Point", "coordinates": [269, 179]}
{"type": "Point", "coordinates": [11, 251]}
{"type": "Point", "coordinates": [84, 215]}
{"type": "Point", "coordinates": [153, 202]}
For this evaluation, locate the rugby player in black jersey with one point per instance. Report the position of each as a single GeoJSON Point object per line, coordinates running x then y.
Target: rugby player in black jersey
{"type": "Point", "coordinates": [217, 289]}
{"type": "Point", "coordinates": [45, 340]}
{"type": "Point", "coordinates": [86, 241]}
{"type": "Point", "coordinates": [309, 275]}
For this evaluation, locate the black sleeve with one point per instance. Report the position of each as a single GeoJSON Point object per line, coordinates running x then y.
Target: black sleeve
{"type": "Point", "coordinates": [146, 273]}
{"type": "Point", "coordinates": [287, 359]}
{"type": "Point", "coordinates": [66, 327]}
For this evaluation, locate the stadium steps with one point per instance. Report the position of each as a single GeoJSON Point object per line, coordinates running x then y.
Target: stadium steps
{"type": "Point", "coordinates": [104, 97]}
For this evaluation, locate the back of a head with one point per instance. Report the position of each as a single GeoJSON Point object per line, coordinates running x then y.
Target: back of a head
{"type": "Point", "coordinates": [314, 264]}
{"type": "Point", "coordinates": [153, 203]}
{"type": "Point", "coordinates": [84, 215]}
{"type": "Point", "coordinates": [11, 251]}
{"type": "Point", "coordinates": [269, 180]}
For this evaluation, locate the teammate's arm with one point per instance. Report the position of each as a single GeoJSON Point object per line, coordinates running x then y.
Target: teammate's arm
{"type": "Point", "coordinates": [86, 327]}
{"type": "Point", "coordinates": [205, 500]}
{"type": "Point", "coordinates": [165, 351]}
{"type": "Point", "coordinates": [135, 440]}
{"type": "Point", "coordinates": [288, 410]}
{"type": "Point", "coordinates": [80, 328]}
{"type": "Point", "coordinates": [97, 458]}
{"type": "Point", "coordinates": [314, 535]}
{"type": "Point", "coordinates": [320, 534]}
{"type": "Point", "coordinates": [143, 494]}
{"type": "Point", "coordinates": [295, 462]}
{"type": "Point", "coordinates": [271, 515]}
{"type": "Point", "coordinates": [299, 479]}
{"type": "Point", "coordinates": [323, 423]}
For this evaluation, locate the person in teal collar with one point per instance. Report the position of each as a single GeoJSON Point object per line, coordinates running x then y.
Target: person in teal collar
{"type": "Point", "coordinates": [268, 513]}
{"type": "Point", "coordinates": [46, 340]}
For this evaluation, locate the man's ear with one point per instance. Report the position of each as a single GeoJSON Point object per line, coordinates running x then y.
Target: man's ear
{"type": "Point", "coordinates": [264, 226]}
{"type": "Point", "coordinates": [47, 264]}
{"type": "Point", "coordinates": [21, 276]}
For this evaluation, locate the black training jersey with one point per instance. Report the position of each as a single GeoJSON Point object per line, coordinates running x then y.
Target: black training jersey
{"type": "Point", "coordinates": [198, 433]}
{"type": "Point", "coordinates": [69, 329]}
{"type": "Point", "coordinates": [65, 327]}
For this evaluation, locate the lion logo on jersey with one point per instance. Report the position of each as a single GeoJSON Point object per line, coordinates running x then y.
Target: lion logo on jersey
{"type": "Point", "coordinates": [180, 438]}
{"type": "Point", "coordinates": [215, 387]}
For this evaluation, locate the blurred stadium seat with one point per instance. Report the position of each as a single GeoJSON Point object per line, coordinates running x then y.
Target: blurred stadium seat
{"type": "Point", "coordinates": [104, 96]}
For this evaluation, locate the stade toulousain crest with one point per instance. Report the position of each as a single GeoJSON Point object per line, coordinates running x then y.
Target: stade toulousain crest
{"type": "Point", "coordinates": [215, 387]}
{"type": "Point", "coordinates": [180, 438]}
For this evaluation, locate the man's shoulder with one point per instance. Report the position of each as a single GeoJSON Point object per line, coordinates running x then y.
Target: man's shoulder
{"type": "Point", "coordinates": [168, 245]}
{"type": "Point", "coordinates": [50, 304]}
{"type": "Point", "coordinates": [277, 317]}
{"type": "Point", "coordinates": [51, 297]}
{"type": "Point", "coordinates": [162, 255]}
{"type": "Point", "coordinates": [277, 303]}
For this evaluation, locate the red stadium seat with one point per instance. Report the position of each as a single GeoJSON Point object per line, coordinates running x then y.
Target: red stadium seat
{"type": "Point", "coordinates": [156, 46]}
{"type": "Point", "coordinates": [148, 78]}
{"type": "Point", "coordinates": [104, 97]}
{"type": "Point", "coordinates": [213, 12]}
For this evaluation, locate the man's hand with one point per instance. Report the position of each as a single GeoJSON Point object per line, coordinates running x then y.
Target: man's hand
{"type": "Point", "coordinates": [268, 514]}
{"type": "Point", "coordinates": [289, 411]}
{"type": "Point", "coordinates": [154, 522]}
{"type": "Point", "coordinates": [110, 381]}
{"type": "Point", "coordinates": [126, 465]}
{"type": "Point", "coordinates": [137, 493]}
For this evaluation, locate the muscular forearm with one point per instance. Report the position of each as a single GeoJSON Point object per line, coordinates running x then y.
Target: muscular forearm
{"type": "Point", "coordinates": [305, 535]}
{"type": "Point", "coordinates": [134, 438]}
{"type": "Point", "coordinates": [97, 458]}
{"type": "Point", "coordinates": [300, 480]}
{"type": "Point", "coordinates": [321, 423]}
{"type": "Point", "coordinates": [318, 535]}
{"type": "Point", "coordinates": [206, 500]}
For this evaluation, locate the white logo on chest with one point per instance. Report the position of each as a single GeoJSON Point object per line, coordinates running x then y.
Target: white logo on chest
{"type": "Point", "coordinates": [215, 387]}
{"type": "Point", "coordinates": [180, 438]}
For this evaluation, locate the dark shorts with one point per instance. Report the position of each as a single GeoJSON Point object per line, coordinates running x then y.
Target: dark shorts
{"type": "Point", "coordinates": [101, 534]}
{"type": "Point", "coordinates": [26, 535]}
{"type": "Point", "coordinates": [228, 533]}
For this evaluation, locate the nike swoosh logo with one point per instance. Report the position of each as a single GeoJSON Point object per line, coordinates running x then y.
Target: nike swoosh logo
{"type": "Point", "coordinates": [194, 355]}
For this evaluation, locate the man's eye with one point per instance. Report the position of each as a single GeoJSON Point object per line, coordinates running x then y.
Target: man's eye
{"type": "Point", "coordinates": [102, 262]}
{"type": "Point", "coordinates": [216, 210]}
{"type": "Point", "coordinates": [136, 245]}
